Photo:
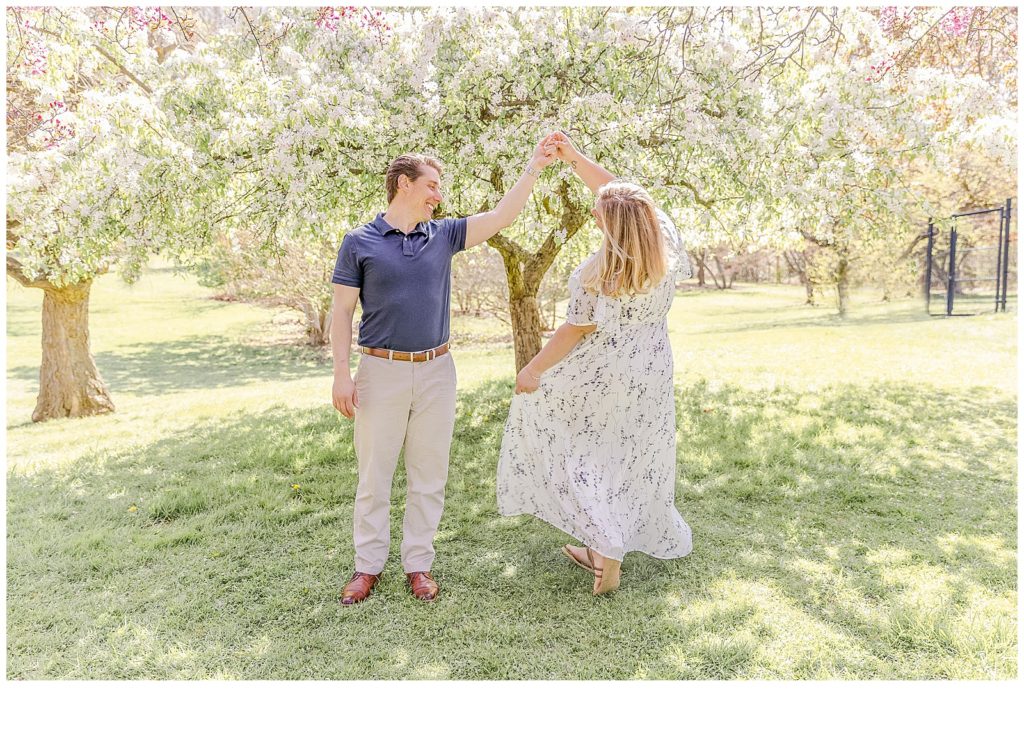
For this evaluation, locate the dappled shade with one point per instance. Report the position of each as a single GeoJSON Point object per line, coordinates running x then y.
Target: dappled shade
{"type": "Point", "coordinates": [855, 532]}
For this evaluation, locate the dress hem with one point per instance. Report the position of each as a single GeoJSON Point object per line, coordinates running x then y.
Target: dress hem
{"type": "Point", "coordinates": [583, 540]}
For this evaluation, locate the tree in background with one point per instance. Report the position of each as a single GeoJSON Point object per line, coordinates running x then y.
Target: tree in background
{"type": "Point", "coordinates": [94, 174]}
{"type": "Point", "coordinates": [858, 131]}
{"type": "Point", "coordinates": [134, 131]}
{"type": "Point", "coordinates": [296, 274]}
{"type": "Point", "coordinates": [649, 94]}
{"type": "Point", "coordinates": [713, 109]}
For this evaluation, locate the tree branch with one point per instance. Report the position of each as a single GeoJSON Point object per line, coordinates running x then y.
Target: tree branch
{"type": "Point", "coordinates": [123, 69]}
{"type": "Point", "coordinates": [16, 270]}
{"type": "Point", "coordinates": [506, 247]}
{"type": "Point", "coordinates": [819, 242]}
{"type": "Point", "coordinates": [259, 46]}
{"type": "Point", "coordinates": [702, 201]}
{"type": "Point", "coordinates": [573, 218]}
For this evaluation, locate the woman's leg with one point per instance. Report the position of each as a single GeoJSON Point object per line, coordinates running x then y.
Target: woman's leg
{"type": "Point", "coordinates": [606, 573]}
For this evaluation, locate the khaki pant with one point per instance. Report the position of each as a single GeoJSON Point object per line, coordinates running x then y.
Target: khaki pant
{"type": "Point", "coordinates": [410, 404]}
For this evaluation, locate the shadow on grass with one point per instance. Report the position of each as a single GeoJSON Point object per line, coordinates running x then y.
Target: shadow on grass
{"type": "Point", "coordinates": [860, 533]}
{"type": "Point", "coordinates": [203, 362]}
{"type": "Point", "coordinates": [21, 318]}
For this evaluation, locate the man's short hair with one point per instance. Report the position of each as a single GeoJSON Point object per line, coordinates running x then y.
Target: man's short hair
{"type": "Point", "coordinates": [409, 165]}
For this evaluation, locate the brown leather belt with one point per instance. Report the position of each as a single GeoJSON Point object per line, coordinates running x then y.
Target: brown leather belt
{"type": "Point", "coordinates": [405, 355]}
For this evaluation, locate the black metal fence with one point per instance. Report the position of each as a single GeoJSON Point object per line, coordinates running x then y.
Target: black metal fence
{"type": "Point", "coordinates": [972, 268]}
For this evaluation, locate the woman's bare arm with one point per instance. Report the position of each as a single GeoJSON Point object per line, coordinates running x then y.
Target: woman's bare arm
{"type": "Point", "coordinates": [593, 174]}
{"type": "Point", "coordinates": [556, 349]}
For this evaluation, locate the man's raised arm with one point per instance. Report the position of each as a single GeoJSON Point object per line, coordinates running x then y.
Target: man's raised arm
{"type": "Point", "coordinates": [482, 226]}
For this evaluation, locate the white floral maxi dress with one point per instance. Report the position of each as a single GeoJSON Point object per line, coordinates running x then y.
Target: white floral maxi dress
{"type": "Point", "coordinates": [593, 450]}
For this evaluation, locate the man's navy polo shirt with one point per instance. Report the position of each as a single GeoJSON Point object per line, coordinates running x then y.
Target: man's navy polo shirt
{"type": "Point", "coordinates": [404, 281]}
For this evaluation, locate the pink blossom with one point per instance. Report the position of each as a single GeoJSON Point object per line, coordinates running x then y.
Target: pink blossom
{"type": "Point", "coordinates": [35, 58]}
{"type": "Point", "coordinates": [147, 17]}
{"type": "Point", "coordinates": [957, 21]}
{"type": "Point", "coordinates": [328, 18]}
{"type": "Point", "coordinates": [879, 70]}
{"type": "Point", "coordinates": [890, 18]}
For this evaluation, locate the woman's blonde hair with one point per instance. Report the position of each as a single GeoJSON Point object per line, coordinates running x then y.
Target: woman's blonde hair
{"type": "Point", "coordinates": [632, 257]}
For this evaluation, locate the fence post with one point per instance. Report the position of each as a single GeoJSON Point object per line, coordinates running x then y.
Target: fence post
{"type": "Point", "coordinates": [999, 256]}
{"type": "Point", "coordinates": [928, 267]}
{"type": "Point", "coordinates": [951, 284]}
{"type": "Point", "coordinates": [1006, 250]}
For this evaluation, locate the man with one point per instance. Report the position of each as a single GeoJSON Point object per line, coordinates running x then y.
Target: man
{"type": "Point", "coordinates": [399, 268]}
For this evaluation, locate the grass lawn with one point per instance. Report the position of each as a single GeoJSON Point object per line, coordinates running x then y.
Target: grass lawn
{"type": "Point", "coordinates": [851, 488]}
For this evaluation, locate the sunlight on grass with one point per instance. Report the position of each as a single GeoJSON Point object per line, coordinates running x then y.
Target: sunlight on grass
{"type": "Point", "coordinates": [851, 487]}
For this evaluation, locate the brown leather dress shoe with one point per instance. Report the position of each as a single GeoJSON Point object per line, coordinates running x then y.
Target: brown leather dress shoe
{"type": "Point", "coordinates": [423, 585]}
{"type": "Point", "coordinates": [358, 588]}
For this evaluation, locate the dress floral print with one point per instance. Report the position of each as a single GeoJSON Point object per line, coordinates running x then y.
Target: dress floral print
{"type": "Point", "coordinates": [592, 451]}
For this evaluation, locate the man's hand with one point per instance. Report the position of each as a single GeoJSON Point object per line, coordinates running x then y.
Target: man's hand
{"type": "Point", "coordinates": [544, 154]}
{"type": "Point", "coordinates": [526, 381]}
{"type": "Point", "coordinates": [345, 397]}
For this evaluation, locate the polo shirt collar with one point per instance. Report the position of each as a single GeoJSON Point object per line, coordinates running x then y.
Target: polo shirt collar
{"type": "Point", "coordinates": [385, 228]}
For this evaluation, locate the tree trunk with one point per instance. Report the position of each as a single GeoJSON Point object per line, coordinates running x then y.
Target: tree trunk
{"type": "Point", "coordinates": [526, 328]}
{"type": "Point", "coordinates": [800, 262]}
{"type": "Point", "coordinates": [318, 323]}
{"type": "Point", "coordinates": [842, 284]}
{"type": "Point", "coordinates": [726, 284]}
{"type": "Point", "coordinates": [70, 385]}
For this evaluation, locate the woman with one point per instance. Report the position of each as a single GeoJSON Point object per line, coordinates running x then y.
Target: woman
{"type": "Point", "coordinates": [589, 444]}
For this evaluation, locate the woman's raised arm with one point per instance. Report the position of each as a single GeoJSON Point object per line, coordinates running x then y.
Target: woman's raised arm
{"type": "Point", "coordinates": [593, 174]}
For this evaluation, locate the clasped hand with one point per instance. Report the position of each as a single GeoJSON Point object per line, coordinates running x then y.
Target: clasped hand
{"type": "Point", "coordinates": [555, 145]}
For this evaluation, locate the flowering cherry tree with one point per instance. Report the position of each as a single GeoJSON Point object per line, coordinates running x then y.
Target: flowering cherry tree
{"type": "Point", "coordinates": [132, 130]}
{"type": "Point", "coordinates": [645, 93]}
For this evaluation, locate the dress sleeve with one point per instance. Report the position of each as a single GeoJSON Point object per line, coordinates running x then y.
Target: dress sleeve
{"type": "Point", "coordinates": [679, 260]}
{"type": "Point", "coordinates": [589, 309]}
{"type": "Point", "coordinates": [581, 303]}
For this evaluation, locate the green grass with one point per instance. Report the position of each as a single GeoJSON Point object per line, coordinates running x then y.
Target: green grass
{"type": "Point", "coordinates": [851, 488]}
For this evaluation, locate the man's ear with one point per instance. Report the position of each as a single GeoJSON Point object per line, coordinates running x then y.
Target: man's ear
{"type": "Point", "coordinates": [403, 181]}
